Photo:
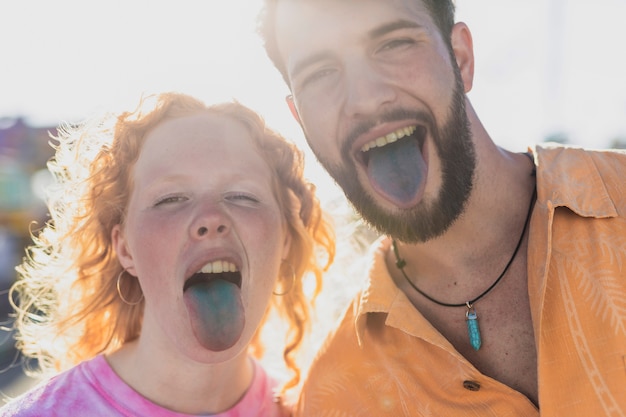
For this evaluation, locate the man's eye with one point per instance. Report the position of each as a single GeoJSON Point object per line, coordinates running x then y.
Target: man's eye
{"type": "Point", "coordinates": [397, 43]}
{"type": "Point", "coordinates": [317, 76]}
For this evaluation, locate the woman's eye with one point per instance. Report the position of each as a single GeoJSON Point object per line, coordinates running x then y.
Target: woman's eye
{"type": "Point", "coordinates": [242, 197]}
{"type": "Point", "coordinates": [170, 199]}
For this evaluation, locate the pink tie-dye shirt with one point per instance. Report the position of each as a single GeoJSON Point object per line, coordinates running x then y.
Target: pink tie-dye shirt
{"type": "Point", "coordinates": [94, 389]}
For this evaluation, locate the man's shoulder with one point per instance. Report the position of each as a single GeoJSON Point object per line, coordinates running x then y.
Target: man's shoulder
{"type": "Point", "coordinates": [339, 342]}
{"type": "Point", "coordinates": [558, 155]}
{"type": "Point", "coordinates": [578, 171]}
{"type": "Point", "coordinates": [338, 377]}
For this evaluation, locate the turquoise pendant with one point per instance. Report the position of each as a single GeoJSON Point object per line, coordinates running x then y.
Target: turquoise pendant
{"type": "Point", "coordinates": [472, 327]}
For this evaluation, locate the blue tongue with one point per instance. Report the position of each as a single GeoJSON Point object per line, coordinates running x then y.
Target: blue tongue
{"type": "Point", "coordinates": [216, 312]}
{"type": "Point", "coordinates": [397, 170]}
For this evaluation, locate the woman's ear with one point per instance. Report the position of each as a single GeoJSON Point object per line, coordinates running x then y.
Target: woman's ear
{"type": "Point", "coordinates": [463, 48]}
{"type": "Point", "coordinates": [292, 108]}
{"type": "Point", "coordinates": [121, 248]}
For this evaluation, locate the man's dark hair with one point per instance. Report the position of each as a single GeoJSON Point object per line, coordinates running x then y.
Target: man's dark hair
{"type": "Point", "coordinates": [441, 11]}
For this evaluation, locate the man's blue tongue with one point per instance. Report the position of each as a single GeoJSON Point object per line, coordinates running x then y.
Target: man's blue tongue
{"type": "Point", "coordinates": [216, 313]}
{"type": "Point", "coordinates": [397, 170]}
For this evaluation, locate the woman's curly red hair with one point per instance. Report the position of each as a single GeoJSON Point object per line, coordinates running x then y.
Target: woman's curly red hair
{"type": "Point", "coordinates": [66, 302]}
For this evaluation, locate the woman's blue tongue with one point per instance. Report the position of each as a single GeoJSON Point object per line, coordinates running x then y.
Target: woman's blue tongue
{"type": "Point", "coordinates": [216, 313]}
{"type": "Point", "coordinates": [397, 170]}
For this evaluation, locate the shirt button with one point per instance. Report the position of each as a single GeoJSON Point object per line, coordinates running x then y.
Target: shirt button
{"type": "Point", "coordinates": [471, 385]}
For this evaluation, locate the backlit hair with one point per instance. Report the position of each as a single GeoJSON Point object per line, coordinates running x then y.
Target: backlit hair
{"type": "Point", "coordinates": [66, 301]}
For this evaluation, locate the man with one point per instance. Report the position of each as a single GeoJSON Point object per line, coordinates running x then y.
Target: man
{"type": "Point", "coordinates": [499, 289]}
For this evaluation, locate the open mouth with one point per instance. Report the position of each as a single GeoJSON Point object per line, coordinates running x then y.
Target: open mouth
{"type": "Point", "coordinates": [215, 270]}
{"type": "Point", "coordinates": [214, 303]}
{"type": "Point", "coordinates": [396, 165]}
{"type": "Point", "coordinates": [415, 132]}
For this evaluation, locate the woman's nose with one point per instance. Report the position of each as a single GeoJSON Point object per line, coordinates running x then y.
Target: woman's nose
{"type": "Point", "coordinates": [203, 230]}
{"type": "Point", "coordinates": [210, 221]}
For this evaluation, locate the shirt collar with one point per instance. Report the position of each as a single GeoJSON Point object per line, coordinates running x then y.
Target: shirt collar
{"type": "Point", "coordinates": [381, 295]}
{"type": "Point", "coordinates": [580, 185]}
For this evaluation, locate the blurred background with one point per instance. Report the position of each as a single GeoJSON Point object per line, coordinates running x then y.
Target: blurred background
{"type": "Point", "coordinates": [545, 70]}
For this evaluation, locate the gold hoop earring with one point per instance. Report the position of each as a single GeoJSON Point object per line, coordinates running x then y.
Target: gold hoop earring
{"type": "Point", "coordinates": [293, 280]}
{"type": "Point", "coordinates": [119, 291]}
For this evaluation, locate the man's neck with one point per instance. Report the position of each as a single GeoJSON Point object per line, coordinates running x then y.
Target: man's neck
{"type": "Point", "coordinates": [483, 238]}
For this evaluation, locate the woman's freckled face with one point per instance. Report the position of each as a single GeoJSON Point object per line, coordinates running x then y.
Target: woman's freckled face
{"type": "Point", "coordinates": [194, 172]}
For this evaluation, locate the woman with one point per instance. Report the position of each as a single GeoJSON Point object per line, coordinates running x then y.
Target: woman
{"type": "Point", "coordinates": [169, 233]}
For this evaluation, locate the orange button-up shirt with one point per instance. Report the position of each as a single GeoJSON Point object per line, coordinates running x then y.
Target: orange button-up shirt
{"type": "Point", "coordinates": [386, 359]}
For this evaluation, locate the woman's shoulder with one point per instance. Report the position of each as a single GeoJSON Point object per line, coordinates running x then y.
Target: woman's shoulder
{"type": "Point", "coordinates": [68, 393]}
{"type": "Point", "coordinates": [43, 397]}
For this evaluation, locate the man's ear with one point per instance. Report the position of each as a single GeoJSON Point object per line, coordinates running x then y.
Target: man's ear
{"type": "Point", "coordinates": [292, 108]}
{"type": "Point", "coordinates": [121, 249]}
{"type": "Point", "coordinates": [463, 48]}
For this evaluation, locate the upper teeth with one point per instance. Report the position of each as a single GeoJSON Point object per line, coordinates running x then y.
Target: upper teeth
{"type": "Point", "coordinates": [217, 267]}
{"type": "Point", "coordinates": [389, 138]}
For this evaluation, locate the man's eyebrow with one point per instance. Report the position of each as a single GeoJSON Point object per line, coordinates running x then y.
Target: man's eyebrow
{"type": "Point", "coordinates": [391, 26]}
{"type": "Point", "coordinates": [374, 33]}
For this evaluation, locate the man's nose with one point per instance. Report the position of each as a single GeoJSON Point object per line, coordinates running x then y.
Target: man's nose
{"type": "Point", "coordinates": [366, 90]}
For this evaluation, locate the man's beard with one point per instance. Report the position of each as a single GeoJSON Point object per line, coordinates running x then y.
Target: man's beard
{"type": "Point", "coordinates": [455, 149]}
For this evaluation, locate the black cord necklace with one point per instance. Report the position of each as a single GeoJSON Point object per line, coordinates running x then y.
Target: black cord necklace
{"type": "Point", "coordinates": [470, 315]}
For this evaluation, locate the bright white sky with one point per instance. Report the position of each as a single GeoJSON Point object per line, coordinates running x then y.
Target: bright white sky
{"type": "Point", "coordinates": [541, 66]}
